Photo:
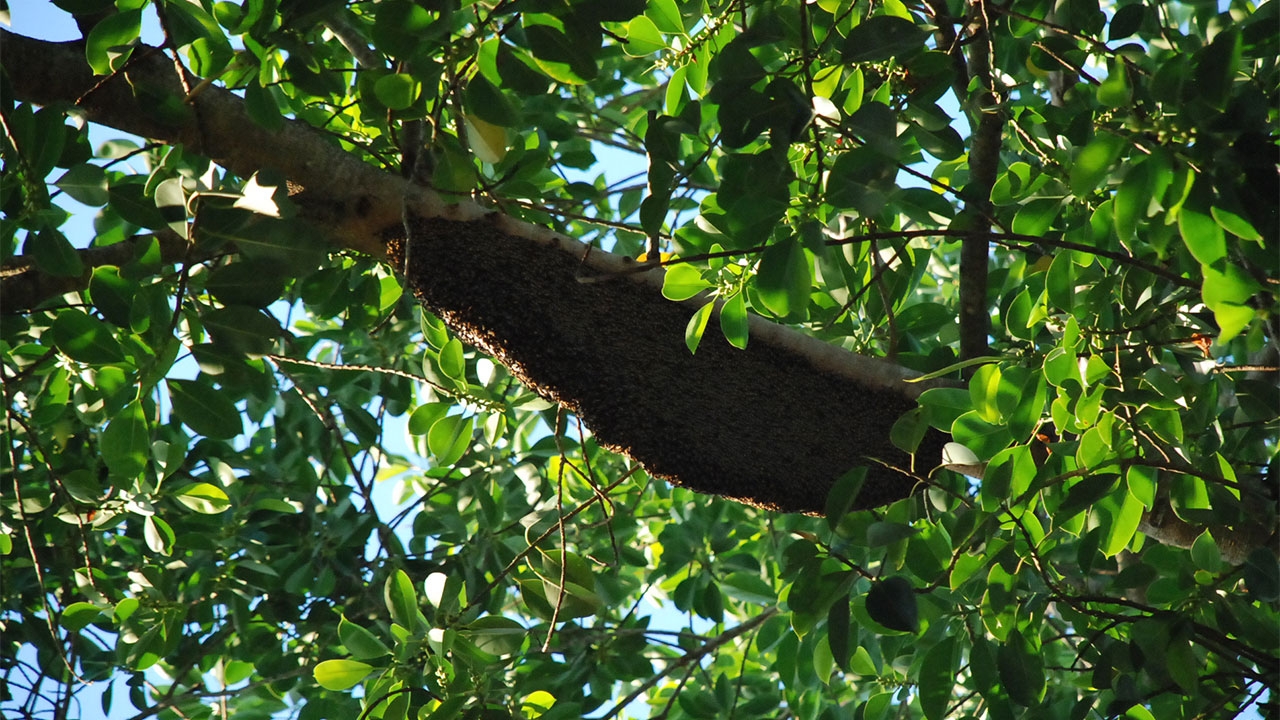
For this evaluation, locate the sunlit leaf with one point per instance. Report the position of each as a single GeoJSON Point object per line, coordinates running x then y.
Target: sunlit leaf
{"type": "Point", "coordinates": [341, 674]}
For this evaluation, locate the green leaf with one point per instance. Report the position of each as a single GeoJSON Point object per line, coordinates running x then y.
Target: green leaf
{"type": "Point", "coordinates": [643, 37]}
{"type": "Point", "coordinates": [1138, 712]}
{"type": "Point", "coordinates": [126, 443]}
{"type": "Point", "coordinates": [158, 535]}
{"type": "Point", "coordinates": [945, 405]}
{"type": "Point", "coordinates": [983, 391]}
{"type": "Point", "coordinates": [78, 615]}
{"type": "Point", "coordinates": [697, 326]}
{"type": "Point", "coordinates": [204, 409]}
{"type": "Point", "coordinates": [1123, 524]}
{"type": "Point", "coordinates": [1093, 164]}
{"type": "Point", "coordinates": [243, 329]}
{"type": "Point", "coordinates": [1205, 553]}
{"type": "Point", "coordinates": [682, 282]}
{"type": "Point", "coordinates": [171, 200]}
{"type": "Point", "coordinates": [260, 102]}
{"type": "Point", "coordinates": [838, 632]}
{"type": "Point", "coordinates": [84, 338]}
{"type": "Point", "coordinates": [1232, 221]}
{"type": "Point", "coordinates": [937, 680]}
{"type": "Point", "coordinates": [1216, 68]}
{"type": "Point", "coordinates": [1231, 284]}
{"type": "Point", "coordinates": [112, 40]}
{"type": "Point", "coordinates": [401, 600]}
{"type": "Point", "coordinates": [665, 15]}
{"type": "Point", "coordinates": [892, 603]}
{"type": "Point", "coordinates": [54, 254]}
{"type": "Point", "coordinates": [252, 284]}
{"type": "Point", "coordinates": [733, 320]}
{"type": "Point", "coordinates": [1141, 481]}
{"type": "Point", "coordinates": [1021, 670]}
{"type": "Point", "coordinates": [843, 495]}
{"type": "Point", "coordinates": [398, 90]}
{"type": "Point", "coordinates": [882, 37]}
{"type": "Point", "coordinates": [489, 103]}
{"type": "Point", "coordinates": [361, 643]}
{"type": "Point", "coordinates": [1036, 216]}
{"type": "Point", "coordinates": [339, 675]}
{"type": "Point", "coordinates": [196, 31]}
{"type": "Point", "coordinates": [87, 183]}
{"type": "Point", "coordinates": [784, 277]}
{"type": "Point", "coordinates": [204, 498]}
{"type": "Point", "coordinates": [980, 436]}
{"type": "Point", "coordinates": [498, 635]}
{"type": "Point", "coordinates": [909, 429]}
{"type": "Point", "coordinates": [1262, 575]}
{"type": "Point", "coordinates": [112, 294]}
{"type": "Point", "coordinates": [449, 438]}
{"type": "Point", "coordinates": [1126, 21]}
{"type": "Point", "coordinates": [1203, 236]}
{"type": "Point", "coordinates": [452, 363]}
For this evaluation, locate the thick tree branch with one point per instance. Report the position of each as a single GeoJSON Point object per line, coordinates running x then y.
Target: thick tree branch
{"type": "Point", "coordinates": [773, 425]}
{"type": "Point", "coordinates": [984, 160]}
{"type": "Point", "coordinates": [24, 286]}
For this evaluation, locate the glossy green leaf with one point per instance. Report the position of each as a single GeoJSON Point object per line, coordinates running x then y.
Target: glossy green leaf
{"type": "Point", "coordinates": [54, 254]}
{"type": "Point", "coordinates": [697, 325]}
{"type": "Point", "coordinates": [450, 437]}
{"type": "Point", "coordinates": [195, 30]}
{"type": "Point", "coordinates": [158, 535]}
{"type": "Point", "coordinates": [111, 41]}
{"type": "Point", "coordinates": [843, 495]}
{"type": "Point", "coordinates": [205, 410]}
{"type": "Point", "coordinates": [1205, 553]}
{"type": "Point", "coordinates": [78, 615]}
{"type": "Point", "coordinates": [643, 37]}
{"type": "Point", "coordinates": [1021, 670]}
{"type": "Point", "coordinates": [339, 675]}
{"type": "Point", "coordinates": [204, 498]}
{"type": "Point", "coordinates": [361, 643]}
{"type": "Point", "coordinates": [87, 183]}
{"type": "Point", "coordinates": [397, 91]}
{"type": "Point", "coordinates": [245, 283]}
{"type": "Point", "coordinates": [1203, 236]}
{"type": "Point", "coordinates": [1262, 575]}
{"type": "Point", "coordinates": [1123, 523]}
{"type": "Point", "coordinates": [1036, 216]}
{"type": "Point", "coordinates": [982, 437]}
{"type": "Point", "coordinates": [682, 282]}
{"type": "Point", "coordinates": [452, 363]}
{"type": "Point", "coordinates": [784, 277]}
{"type": "Point", "coordinates": [937, 679]}
{"type": "Point", "coordinates": [126, 442]}
{"type": "Point", "coordinates": [85, 339]}
{"type": "Point", "coordinates": [733, 320]}
{"type": "Point", "coordinates": [401, 599]}
{"type": "Point", "coordinates": [243, 329]}
{"type": "Point", "coordinates": [489, 103]}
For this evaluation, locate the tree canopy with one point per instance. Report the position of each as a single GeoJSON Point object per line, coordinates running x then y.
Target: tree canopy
{"type": "Point", "coordinates": [927, 366]}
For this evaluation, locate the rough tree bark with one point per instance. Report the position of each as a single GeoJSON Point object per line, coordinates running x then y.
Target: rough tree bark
{"type": "Point", "coordinates": [773, 425]}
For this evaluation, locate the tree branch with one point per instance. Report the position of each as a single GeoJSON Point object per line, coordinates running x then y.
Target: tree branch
{"type": "Point", "coordinates": [773, 425]}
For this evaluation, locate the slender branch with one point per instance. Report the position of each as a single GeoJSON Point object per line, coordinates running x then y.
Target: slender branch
{"type": "Point", "coordinates": [689, 657]}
